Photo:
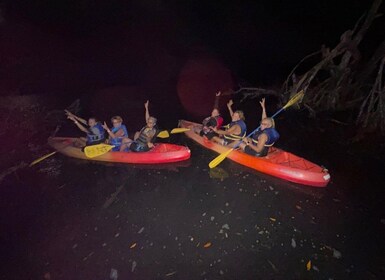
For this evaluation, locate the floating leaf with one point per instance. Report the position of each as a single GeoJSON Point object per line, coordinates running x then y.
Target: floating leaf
{"type": "Point", "coordinates": [308, 265]}
{"type": "Point", "coordinates": [293, 243]}
{"type": "Point", "coordinates": [208, 244]}
{"type": "Point", "coordinates": [273, 219]}
{"type": "Point", "coordinates": [298, 207]}
{"type": "Point", "coordinates": [133, 246]}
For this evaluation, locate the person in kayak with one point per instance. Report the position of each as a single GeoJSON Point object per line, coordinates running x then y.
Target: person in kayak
{"type": "Point", "coordinates": [235, 130]}
{"type": "Point", "coordinates": [145, 138]}
{"type": "Point", "coordinates": [263, 139]}
{"type": "Point", "coordinates": [117, 133]}
{"type": "Point", "coordinates": [214, 120]}
{"type": "Point", "coordinates": [93, 129]}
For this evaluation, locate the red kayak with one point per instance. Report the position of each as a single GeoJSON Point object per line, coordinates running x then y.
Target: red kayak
{"type": "Point", "coordinates": [278, 163]}
{"type": "Point", "coordinates": [161, 153]}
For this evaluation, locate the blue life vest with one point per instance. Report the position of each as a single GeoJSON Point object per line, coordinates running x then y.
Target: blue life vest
{"type": "Point", "coordinates": [271, 133]}
{"type": "Point", "coordinates": [96, 134]}
{"type": "Point", "coordinates": [117, 142]}
{"type": "Point", "coordinates": [239, 136]}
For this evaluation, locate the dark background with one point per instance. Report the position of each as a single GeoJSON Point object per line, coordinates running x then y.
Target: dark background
{"type": "Point", "coordinates": [72, 47]}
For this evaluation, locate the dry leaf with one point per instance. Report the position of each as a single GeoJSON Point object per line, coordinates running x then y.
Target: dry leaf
{"type": "Point", "coordinates": [273, 219]}
{"type": "Point", "coordinates": [133, 246]}
{"type": "Point", "coordinates": [308, 265]}
{"type": "Point", "coordinates": [208, 244]}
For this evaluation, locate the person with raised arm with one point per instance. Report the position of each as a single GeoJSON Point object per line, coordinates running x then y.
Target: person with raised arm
{"type": "Point", "coordinates": [145, 138]}
{"type": "Point", "coordinates": [93, 128]}
{"type": "Point", "coordinates": [235, 130]}
{"type": "Point", "coordinates": [260, 142]}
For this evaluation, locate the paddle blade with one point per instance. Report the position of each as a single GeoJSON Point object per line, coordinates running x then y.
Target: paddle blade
{"type": "Point", "coordinates": [220, 158]}
{"type": "Point", "coordinates": [297, 97]}
{"type": "Point", "coordinates": [179, 130]}
{"type": "Point", "coordinates": [42, 158]}
{"type": "Point", "coordinates": [163, 134]}
{"type": "Point", "coordinates": [97, 150]}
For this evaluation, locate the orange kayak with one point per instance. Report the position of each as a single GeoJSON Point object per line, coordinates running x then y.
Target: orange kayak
{"type": "Point", "coordinates": [278, 163]}
{"type": "Point", "coordinates": [161, 153]}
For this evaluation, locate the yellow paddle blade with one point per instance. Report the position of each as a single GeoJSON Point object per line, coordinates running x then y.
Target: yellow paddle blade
{"type": "Point", "coordinates": [163, 134]}
{"type": "Point", "coordinates": [298, 96]}
{"type": "Point", "coordinates": [179, 130]}
{"type": "Point", "coordinates": [97, 150]}
{"type": "Point", "coordinates": [42, 158]}
{"type": "Point", "coordinates": [220, 158]}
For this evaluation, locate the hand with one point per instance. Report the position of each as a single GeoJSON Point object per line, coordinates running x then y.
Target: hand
{"type": "Point", "coordinates": [105, 126]}
{"type": "Point", "coordinates": [150, 145]}
{"type": "Point", "coordinates": [218, 93]}
{"type": "Point", "coordinates": [230, 103]}
{"type": "Point", "coordinates": [69, 114]}
{"type": "Point", "coordinates": [71, 118]}
{"type": "Point", "coordinates": [262, 102]}
{"type": "Point", "coordinates": [146, 104]}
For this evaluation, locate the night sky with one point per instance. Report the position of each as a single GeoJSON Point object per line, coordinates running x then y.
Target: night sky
{"type": "Point", "coordinates": [56, 47]}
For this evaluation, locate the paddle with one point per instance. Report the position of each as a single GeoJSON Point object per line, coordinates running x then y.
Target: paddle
{"type": "Point", "coordinates": [97, 150]}
{"type": "Point", "coordinates": [165, 134]}
{"type": "Point", "coordinates": [222, 156]}
{"type": "Point", "coordinates": [42, 158]}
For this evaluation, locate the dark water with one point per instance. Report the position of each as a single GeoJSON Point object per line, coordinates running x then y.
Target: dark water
{"type": "Point", "coordinates": [72, 219]}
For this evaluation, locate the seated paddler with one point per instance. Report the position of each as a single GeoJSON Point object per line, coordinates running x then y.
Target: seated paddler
{"type": "Point", "coordinates": [117, 133]}
{"type": "Point", "coordinates": [235, 130]}
{"type": "Point", "coordinates": [145, 138]}
{"type": "Point", "coordinates": [258, 145]}
{"type": "Point", "coordinates": [94, 129]}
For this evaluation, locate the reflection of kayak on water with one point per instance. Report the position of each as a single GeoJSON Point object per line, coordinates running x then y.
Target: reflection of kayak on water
{"type": "Point", "coordinates": [161, 153]}
{"type": "Point", "coordinates": [278, 163]}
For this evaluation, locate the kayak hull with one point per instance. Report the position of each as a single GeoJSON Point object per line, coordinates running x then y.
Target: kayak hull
{"type": "Point", "coordinates": [277, 163]}
{"type": "Point", "coordinates": [161, 153]}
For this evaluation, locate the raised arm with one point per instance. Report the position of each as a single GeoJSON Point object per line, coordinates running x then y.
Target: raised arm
{"type": "Point", "coordinates": [70, 116]}
{"type": "Point", "coordinates": [262, 102]}
{"type": "Point", "coordinates": [77, 123]}
{"type": "Point", "coordinates": [216, 102]}
{"type": "Point", "coordinates": [229, 104]}
{"type": "Point", "coordinates": [147, 113]}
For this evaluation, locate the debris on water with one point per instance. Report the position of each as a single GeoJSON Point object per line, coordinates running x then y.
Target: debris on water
{"type": "Point", "coordinates": [272, 266]}
{"type": "Point", "coordinates": [293, 243]}
{"type": "Point", "coordinates": [226, 226]}
{"type": "Point", "coordinates": [298, 207]}
{"type": "Point", "coordinates": [208, 244]}
{"type": "Point", "coordinates": [336, 254]}
{"type": "Point", "coordinates": [204, 214]}
{"type": "Point", "coordinates": [171, 273]}
{"type": "Point", "coordinates": [212, 218]}
{"type": "Point", "coordinates": [113, 274]}
{"type": "Point", "coordinates": [141, 230]}
{"type": "Point", "coordinates": [315, 268]}
{"type": "Point", "coordinates": [117, 235]}
{"type": "Point", "coordinates": [227, 204]}
{"type": "Point", "coordinates": [221, 272]}
{"type": "Point", "coordinates": [133, 266]}
{"type": "Point", "coordinates": [133, 246]}
{"type": "Point", "coordinates": [273, 219]}
{"type": "Point", "coordinates": [271, 188]}
{"type": "Point", "coordinates": [74, 246]}
{"type": "Point", "coordinates": [308, 265]}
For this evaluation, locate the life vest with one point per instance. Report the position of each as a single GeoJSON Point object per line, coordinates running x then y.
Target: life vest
{"type": "Point", "coordinates": [117, 142]}
{"type": "Point", "coordinates": [271, 133]}
{"type": "Point", "coordinates": [96, 134]}
{"type": "Point", "coordinates": [213, 121]}
{"type": "Point", "coordinates": [239, 136]}
{"type": "Point", "coordinates": [145, 132]}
